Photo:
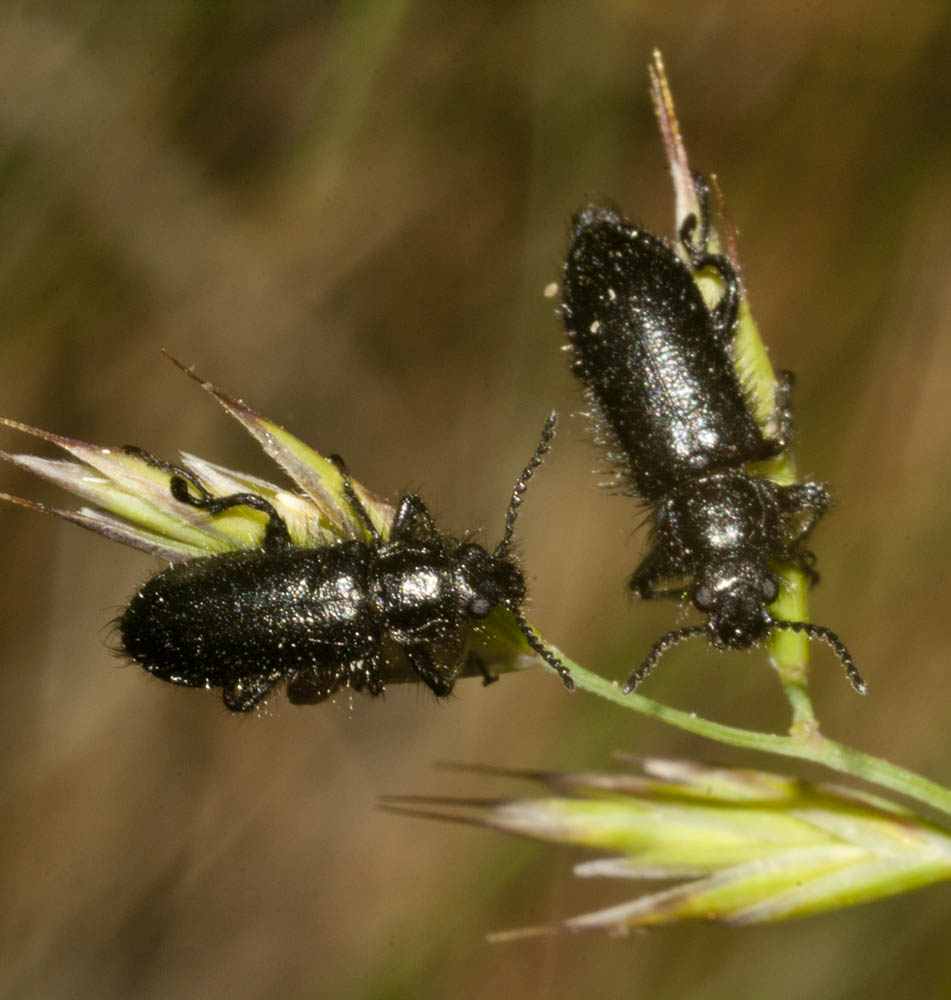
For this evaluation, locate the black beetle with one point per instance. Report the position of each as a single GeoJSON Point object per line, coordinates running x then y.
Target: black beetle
{"type": "Point", "coordinates": [325, 618]}
{"type": "Point", "coordinates": [678, 424]}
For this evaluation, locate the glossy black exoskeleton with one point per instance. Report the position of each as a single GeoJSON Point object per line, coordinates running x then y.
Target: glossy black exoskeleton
{"type": "Point", "coordinates": [325, 618]}
{"type": "Point", "coordinates": [657, 366]}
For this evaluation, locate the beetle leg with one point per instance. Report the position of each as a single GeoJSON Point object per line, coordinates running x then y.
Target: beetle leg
{"type": "Point", "coordinates": [245, 693]}
{"type": "Point", "coordinates": [781, 416]}
{"type": "Point", "coordinates": [276, 534]}
{"type": "Point", "coordinates": [310, 686]}
{"type": "Point", "coordinates": [694, 235]}
{"type": "Point", "coordinates": [356, 504]}
{"type": "Point", "coordinates": [373, 676]}
{"type": "Point", "coordinates": [487, 676]}
{"type": "Point", "coordinates": [810, 499]}
{"type": "Point", "coordinates": [412, 521]}
{"type": "Point", "coordinates": [645, 579]}
{"type": "Point", "coordinates": [438, 679]}
{"type": "Point", "coordinates": [176, 470]}
{"type": "Point", "coordinates": [806, 561]}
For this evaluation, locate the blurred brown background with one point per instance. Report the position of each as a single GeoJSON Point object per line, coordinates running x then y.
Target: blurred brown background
{"type": "Point", "coordinates": [346, 214]}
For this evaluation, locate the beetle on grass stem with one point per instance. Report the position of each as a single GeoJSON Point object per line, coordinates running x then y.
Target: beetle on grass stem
{"type": "Point", "coordinates": [327, 617]}
{"type": "Point", "coordinates": [323, 588]}
{"type": "Point", "coordinates": [656, 363]}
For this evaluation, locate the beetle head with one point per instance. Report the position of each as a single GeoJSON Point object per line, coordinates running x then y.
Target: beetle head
{"type": "Point", "coordinates": [735, 595]}
{"type": "Point", "coordinates": [487, 581]}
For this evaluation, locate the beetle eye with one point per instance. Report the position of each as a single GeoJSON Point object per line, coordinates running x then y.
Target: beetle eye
{"type": "Point", "coordinates": [479, 607]}
{"type": "Point", "coordinates": [769, 589]}
{"type": "Point", "coordinates": [703, 598]}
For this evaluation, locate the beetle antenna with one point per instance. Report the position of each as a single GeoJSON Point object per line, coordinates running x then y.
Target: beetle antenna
{"type": "Point", "coordinates": [521, 485]}
{"type": "Point", "coordinates": [658, 649]}
{"type": "Point", "coordinates": [830, 638]}
{"type": "Point", "coordinates": [534, 640]}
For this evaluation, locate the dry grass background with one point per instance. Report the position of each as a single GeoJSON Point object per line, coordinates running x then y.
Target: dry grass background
{"type": "Point", "coordinates": [346, 214]}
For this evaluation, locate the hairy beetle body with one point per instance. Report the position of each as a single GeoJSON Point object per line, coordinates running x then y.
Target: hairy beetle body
{"type": "Point", "coordinates": [657, 367]}
{"type": "Point", "coordinates": [654, 359]}
{"type": "Point", "coordinates": [325, 618]}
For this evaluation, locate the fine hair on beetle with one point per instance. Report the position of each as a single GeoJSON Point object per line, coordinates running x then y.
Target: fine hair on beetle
{"type": "Point", "coordinates": [329, 617]}
{"type": "Point", "coordinates": [661, 382]}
